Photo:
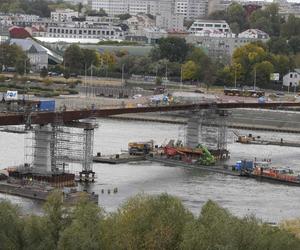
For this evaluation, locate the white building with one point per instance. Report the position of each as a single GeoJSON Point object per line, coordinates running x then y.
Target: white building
{"type": "Point", "coordinates": [84, 31]}
{"type": "Point", "coordinates": [292, 79]}
{"type": "Point", "coordinates": [111, 7]}
{"type": "Point", "coordinates": [64, 15]}
{"type": "Point", "coordinates": [37, 55]}
{"type": "Point", "coordinates": [201, 24]}
{"type": "Point", "coordinates": [181, 7]}
{"type": "Point", "coordinates": [254, 33]}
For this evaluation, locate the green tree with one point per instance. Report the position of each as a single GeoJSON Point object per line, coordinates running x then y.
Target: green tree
{"type": "Point", "coordinates": [90, 57]}
{"type": "Point", "coordinates": [294, 44]}
{"type": "Point", "coordinates": [56, 216]}
{"type": "Point", "coordinates": [44, 72]}
{"type": "Point", "coordinates": [124, 16]}
{"type": "Point", "coordinates": [267, 20]}
{"type": "Point", "coordinates": [73, 59]}
{"type": "Point", "coordinates": [282, 64]}
{"type": "Point", "coordinates": [85, 230]}
{"type": "Point", "coordinates": [172, 48]}
{"type": "Point", "coordinates": [291, 27]}
{"type": "Point", "coordinates": [278, 45]}
{"type": "Point", "coordinates": [236, 17]}
{"type": "Point", "coordinates": [37, 234]}
{"type": "Point", "coordinates": [22, 64]}
{"type": "Point", "coordinates": [263, 72]}
{"type": "Point", "coordinates": [11, 227]}
{"type": "Point", "coordinates": [36, 7]}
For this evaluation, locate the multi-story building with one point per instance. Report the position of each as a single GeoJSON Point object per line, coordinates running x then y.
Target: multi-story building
{"type": "Point", "coordinates": [191, 9]}
{"type": "Point", "coordinates": [181, 7]}
{"type": "Point", "coordinates": [138, 7]}
{"type": "Point", "coordinates": [217, 5]}
{"type": "Point", "coordinates": [170, 22]}
{"type": "Point", "coordinates": [111, 7]}
{"type": "Point", "coordinates": [201, 24]}
{"type": "Point", "coordinates": [64, 15]}
{"type": "Point", "coordinates": [197, 9]}
{"type": "Point", "coordinates": [222, 45]}
{"type": "Point", "coordinates": [84, 31]}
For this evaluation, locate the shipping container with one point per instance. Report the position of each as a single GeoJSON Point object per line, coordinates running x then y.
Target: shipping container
{"type": "Point", "coordinates": [46, 105]}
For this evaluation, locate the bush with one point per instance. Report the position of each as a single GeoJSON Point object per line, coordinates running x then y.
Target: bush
{"type": "Point", "coordinates": [47, 81]}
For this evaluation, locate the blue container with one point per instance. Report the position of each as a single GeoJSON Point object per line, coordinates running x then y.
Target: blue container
{"type": "Point", "coordinates": [247, 165]}
{"type": "Point", "coordinates": [47, 105]}
{"type": "Point", "coordinates": [238, 165]}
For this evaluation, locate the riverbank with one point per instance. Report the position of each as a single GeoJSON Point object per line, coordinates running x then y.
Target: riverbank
{"type": "Point", "coordinates": [247, 119]}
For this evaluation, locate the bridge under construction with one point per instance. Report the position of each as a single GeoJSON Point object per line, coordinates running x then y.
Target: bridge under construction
{"type": "Point", "coordinates": [61, 137]}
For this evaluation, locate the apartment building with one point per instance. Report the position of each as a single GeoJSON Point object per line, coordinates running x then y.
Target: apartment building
{"type": "Point", "coordinates": [221, 45]}
{"type": "Point", "coordinates": [201, 24]}
{"type": "Point", "coordinates": [64, 15]}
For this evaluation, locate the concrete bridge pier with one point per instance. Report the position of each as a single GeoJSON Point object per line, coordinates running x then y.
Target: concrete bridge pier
{"type": "Point", "coordinates": [208, 128]}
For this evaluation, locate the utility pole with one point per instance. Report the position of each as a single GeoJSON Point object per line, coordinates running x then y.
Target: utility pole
{"type": "Point", "coordinates": [180, 77]}
{"type": "Point", "coordinates": [85, 82]}
{"type": "Point", "coordinates": [91, 75]}
{"type": "Point", "coordinates": [254, 78]}
{"type": "Point", "coordinates": [166, 71]}
{"type": "Point", "coordinates": [123, 65]}
{"type": "Point", "coordinates": [235, 77]}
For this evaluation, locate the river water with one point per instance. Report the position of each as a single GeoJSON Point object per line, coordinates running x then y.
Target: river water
{"type": "Point", "coordinates": [268, 201]}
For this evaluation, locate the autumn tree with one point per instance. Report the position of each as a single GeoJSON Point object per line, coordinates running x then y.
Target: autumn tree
{"type": "Point", "coordinates": [149, 222]}
{"type": "Point", "coordinates": [247, 56]}
{"type": "Point", "coordinates": [190, 71]}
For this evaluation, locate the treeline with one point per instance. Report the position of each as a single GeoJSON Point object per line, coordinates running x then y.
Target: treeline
{"type": "Point", "coordinates": [41, 8]}
{"type": "Point", "coordinates": [143, 222]}
{"type": "Point", "coordinates": [171, 57]}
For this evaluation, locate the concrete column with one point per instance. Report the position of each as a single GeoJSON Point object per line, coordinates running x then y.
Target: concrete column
{"type": "Point", "coordinates": [192, 131]}
{"type": "Point", "coordinates": [42, 148]}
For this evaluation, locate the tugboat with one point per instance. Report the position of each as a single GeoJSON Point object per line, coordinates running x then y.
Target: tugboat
{"type": "Point", "coordinates": [281, 174]}
{"type": "Point", "coordinates": [264, 171]}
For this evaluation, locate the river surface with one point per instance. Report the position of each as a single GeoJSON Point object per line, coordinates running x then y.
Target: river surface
{"type": "Point", "coordinates": [268, 201]}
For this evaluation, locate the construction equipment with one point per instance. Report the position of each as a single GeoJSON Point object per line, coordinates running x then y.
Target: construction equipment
{"type": "Point", "coordinates": [140, 148]}
{"type": "Point", "coordinates": [207, 158]}
{"type": "Point", "coordinates": [200, 153]}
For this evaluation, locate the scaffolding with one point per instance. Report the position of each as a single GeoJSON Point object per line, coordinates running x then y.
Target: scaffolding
{"type": "Point", "coordinates": [49, 148]}
{"type": "Point", "coordinates": [209, 128]}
